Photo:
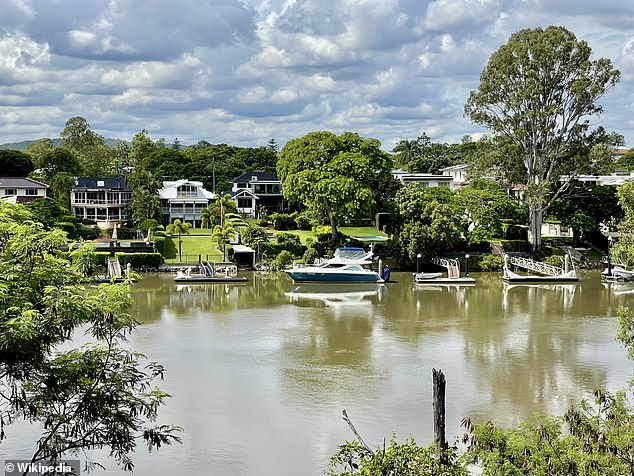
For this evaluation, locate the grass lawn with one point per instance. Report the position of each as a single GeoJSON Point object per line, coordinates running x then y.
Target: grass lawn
{"type": "Point", "coordinates": [193, 245]}
{"type": "Point", "coordinates": [350, 231]}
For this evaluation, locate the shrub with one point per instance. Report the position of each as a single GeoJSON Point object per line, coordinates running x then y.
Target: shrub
{"type": "Point", "coordinates": [283, 259]}
{"type": "Point", "coordinates": [303, 221]}
{"type": "Point", "coordinates": [69, 228]}
{"type": "Point", "coordinates": [67, 219]}
{"type": "Point", "coordinates": [290, 243]}
{"type": "Point", "coordinates": [159, 244]}
{"type": "Point", "coordinates": [488, 263]}
{"type": "Point", "coordinates": [283, 222]}
{"type": "Point", "coordinates": [86, 233]}
{"type": "Point", "coordinates": [140, 260]}
{"type": "Point", "coordinates": [311, 255]}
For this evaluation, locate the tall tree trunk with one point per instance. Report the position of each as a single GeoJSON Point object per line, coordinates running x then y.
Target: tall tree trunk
{"type": "Point", "coordinates": [333, 225]}
{"type": "Point", "coordinates": [535, 219]}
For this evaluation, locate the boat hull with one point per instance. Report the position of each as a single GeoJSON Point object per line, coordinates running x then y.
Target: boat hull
{"type": "Point", "coordinates": [323, 277]}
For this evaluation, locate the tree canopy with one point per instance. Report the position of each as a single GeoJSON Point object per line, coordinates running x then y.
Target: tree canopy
{"type": "Point", "coordinates": [14, 163]}
{"type": "Point", "coordinates": [535, 95]}
{"type": "Point", "coordinates": [333, 176]}
{"type": "Point", "coordinates": [99, 395]}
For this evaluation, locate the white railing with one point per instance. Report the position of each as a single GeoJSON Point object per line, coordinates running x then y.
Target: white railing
{"type": "Point", "coordinates": [536, 266]}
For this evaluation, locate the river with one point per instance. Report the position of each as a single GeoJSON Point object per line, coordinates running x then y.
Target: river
{"type": "Point", "coordinates": [259, 373]}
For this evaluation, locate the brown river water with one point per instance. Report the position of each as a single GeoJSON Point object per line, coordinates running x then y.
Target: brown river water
{"type": "Point", "coordinates": [260, 372]}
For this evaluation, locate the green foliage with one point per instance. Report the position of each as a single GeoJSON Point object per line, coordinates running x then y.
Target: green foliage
{"type": "Point", "coordinates": [69, 228]}
{"type": "Point", "coordinates": [145, 203]}
{"type": "Point", "coordinates": [334, 177]}
{"type": "Point", "coordinates": [290, 243]}
{"type": "Point", "coordinates": [253, 235]}
{"type": "Point", "coordinates": [178, 228]}
{"type": "Point", "coordinates": [625, 333]}
{"type": "Point", "coordinates": [142, 261]}
{"type": "Point", "coordinates": [159, 244]}
{"type": "Point", "coordinates": [46, 210]}
{"type": "Point", "coordinates": [535, 95]}
{"type": "Point", "coordinates": [488, 263]}
{"type": "Point", "coordinates": [623, 250]}
{"type": "Point", "coordinates": [402, 459]}
{"type": "Point", "coordinates": [598, 441]}
{"type": "Point", "coordinates": [283, 222]}
{"type": "Point", "coordinates": [303, 221]}
{"type": "Point", "coordinates": [98, 396]}
{"type": "Point", "coordinates": [311, 255]}
{"type": "Point", "coordinates": [14, 163]}
{"type": "Point", "coordinates": [283, 259]}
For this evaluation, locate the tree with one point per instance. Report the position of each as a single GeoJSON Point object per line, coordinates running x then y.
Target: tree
{"type": "Point", "coordinates": [623, 250]}
{"type": "Point", "coordinates": [145, 203]}
{"type": "Point", "coordinates": [59, 160]}
{"type": "Point", "coordinates": [38, 149]}
{"type": "Point", "coordinates": [180, 228]}
{"type": "Point", "coordinates": [97, 396]}
{"type": "Point", "coordinates": [95, 156]}
{"type": "Point", "coordinates": [216, 210]}
{"type": "Point", "coordinates": [14, 163]}
{"type": "Point", "coordinates": [483, 206]}
{"type": "Point", "coordinates": [142, 146]}
{"type": "Point", "coordinates": [535, 95]}
{"type": "Point", "coordinates": [221, 234]}
{"type": "Point", "coordinates": [333, 176]}
{"type": "Point", "coordinates": [406, 150]}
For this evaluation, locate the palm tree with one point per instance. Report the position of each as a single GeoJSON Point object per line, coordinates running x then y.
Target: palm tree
{"type": "Point", "coordinates": [180, 228]}
{"type": "Point", "coordinates": [407, 150]}
{"type": "Point", "coordinates": [207, 216]}
{"type": "Point", "coordinates": [221, 234]}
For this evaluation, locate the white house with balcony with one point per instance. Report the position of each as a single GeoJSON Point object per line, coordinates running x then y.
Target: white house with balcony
{"type": "Point", "coordinates": [423, 180]}
{"type": "Point", "coordinates": [184, 200]}
{"type": "Point", "coordinates": [21, 189]}
{"type": "Point", "coordinates": [104, 200]}
{"type": "Point", "coordinates": [252, 191]}
{"type": "Point", "coordinates": [458, 173]}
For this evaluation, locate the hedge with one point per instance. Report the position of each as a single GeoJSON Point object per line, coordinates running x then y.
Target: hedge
{"type": "Point", "coordinates": [140, 260]}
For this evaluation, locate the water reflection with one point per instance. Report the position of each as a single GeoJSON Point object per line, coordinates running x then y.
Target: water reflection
{"type": "Point", "coordinates": [250, 364]}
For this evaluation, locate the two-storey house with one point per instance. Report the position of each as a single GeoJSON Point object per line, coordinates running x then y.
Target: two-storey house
{"type": "Point", "coordinates": [253, 191]}
{"type": "Point", "coordinates": [423, 180]}
{"type": "Point", "coordinates": [184, 200]}
{"type": "Point", "coordinates": [21, 189]}
{"type": "Point", "coordinates": [104, 200]}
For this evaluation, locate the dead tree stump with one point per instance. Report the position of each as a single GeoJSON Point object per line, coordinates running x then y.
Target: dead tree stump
{"type": "Point", "coordinates": [439, 414]}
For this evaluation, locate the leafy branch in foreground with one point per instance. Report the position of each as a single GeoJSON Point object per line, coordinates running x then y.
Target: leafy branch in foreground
{"type": "Point", "coordinates": [100, 395]}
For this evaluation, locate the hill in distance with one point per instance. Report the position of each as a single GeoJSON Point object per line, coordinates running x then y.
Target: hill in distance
{"type": "Point", "coordinates": [21, 146]}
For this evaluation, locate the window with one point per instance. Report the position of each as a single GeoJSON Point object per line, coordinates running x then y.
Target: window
{"type": "Point", "coordinates": [443, 184]}
{"type": "Point", "coordinates": [10, 191]}
{"type": "Point", "coordinates": [244, 203]}
{"type": "Point", "coordinates": [424, 184]}
{"type": "Point", "coordinates": [101, 183]}
{"type": "Point", "coordinates": [31, 191]}
{"type": "Point", "coordinates": [187, 191]}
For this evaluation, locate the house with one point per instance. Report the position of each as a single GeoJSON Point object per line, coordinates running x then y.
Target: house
{"type": "Point", "coordinates": [21, 189]}
{"type": "Point", "coordinates": [423, 180]}
{"type": "Point", "coordinates": [184, 200]}
{"type": "Point", "coordinates": [104, 200]}
{"type": "Point", "coordinates": [458, 173]}
{"type": "Point", "coordinates": [252, 191]}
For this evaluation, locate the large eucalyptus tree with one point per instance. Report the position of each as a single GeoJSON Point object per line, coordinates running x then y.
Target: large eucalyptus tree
{"type": "Point", "coordinates": [536, 95]}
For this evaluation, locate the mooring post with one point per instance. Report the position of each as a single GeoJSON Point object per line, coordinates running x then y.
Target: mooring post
{"type": "Point", "coordinates": [439, 414]}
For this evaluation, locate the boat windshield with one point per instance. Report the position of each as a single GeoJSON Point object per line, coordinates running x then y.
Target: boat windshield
{"type": "Point", "coordinates": [350, 253]}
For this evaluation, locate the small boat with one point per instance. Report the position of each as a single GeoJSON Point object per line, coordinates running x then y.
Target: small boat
{"type": "Point", "coordinates": [453, 275]}
{"type": "Point", "coordinates": [618, 273]}
{"type": "Point", "coordinates": [349, 265]}
{"type": "Point", "coordinates": [545, 273]}
{"type": "Point", "coordinates": [210, 273]}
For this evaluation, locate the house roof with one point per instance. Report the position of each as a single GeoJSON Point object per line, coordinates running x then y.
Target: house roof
{"type": "Point", "coordinates": [260, 177]}
{"type": "Point", "coordinates": [242, 193]}
{"type": "Point", "coordinates": [170, 190]}
{"type": "Point", "coordinates": [21, 182]}
{"type": "Point", "coordinates": [109, 183]}
{"type": "Point", "coordinates": [455, 167]}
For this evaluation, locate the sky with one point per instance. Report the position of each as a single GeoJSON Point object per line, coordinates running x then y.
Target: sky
{"type": "Point", "coordinates": [242, 72]}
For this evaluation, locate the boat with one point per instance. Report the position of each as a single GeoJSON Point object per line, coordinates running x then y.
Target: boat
{"type": "Point", "coordinates": [210, 273]}
{"type": "Point", "coordinates": [453, 276]}
{"type": "Point", "coordinates": [618, 273]}
{"type": "Point", "coordinates": [349, 265]}
{"type": "Point", "coordinates": [545, 273]}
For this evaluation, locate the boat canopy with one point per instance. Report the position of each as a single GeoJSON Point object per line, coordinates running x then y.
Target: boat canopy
{"type": "Point", "coordinates": [352, 254]}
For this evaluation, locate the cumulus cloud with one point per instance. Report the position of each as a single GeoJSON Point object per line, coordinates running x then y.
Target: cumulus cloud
{"type": "Point", "coordinates": [244, 71]}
